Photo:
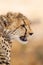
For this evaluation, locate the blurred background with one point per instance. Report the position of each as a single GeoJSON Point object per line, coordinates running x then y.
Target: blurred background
{"type": "Point", "coordinates": [32, 9]}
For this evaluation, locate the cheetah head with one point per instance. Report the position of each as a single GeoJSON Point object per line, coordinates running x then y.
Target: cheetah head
{"type": "Point", "coordinates": [18, 27]}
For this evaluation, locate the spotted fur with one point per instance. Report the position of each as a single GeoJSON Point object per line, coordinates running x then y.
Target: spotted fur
{"type": "Point", "coordinates": [5, 43]}
{"type": "Point", "coordinates": [5, 49]}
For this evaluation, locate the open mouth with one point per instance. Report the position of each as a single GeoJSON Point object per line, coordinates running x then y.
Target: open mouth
{"type": "Point", "coordinates": [23, 38]}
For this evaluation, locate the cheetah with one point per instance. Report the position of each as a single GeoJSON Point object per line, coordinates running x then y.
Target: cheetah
{"type": "Point", "coordinates": [12, 26]}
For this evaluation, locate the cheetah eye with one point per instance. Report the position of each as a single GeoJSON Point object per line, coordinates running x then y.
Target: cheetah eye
{"type": "Point", "coordinates": [23, 25]}
{"type": "Point", "coordinates": [5, 23]}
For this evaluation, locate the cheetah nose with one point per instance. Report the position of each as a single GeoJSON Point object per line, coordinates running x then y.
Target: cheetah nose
{"type": "Point", "coordinates": [30, 33]}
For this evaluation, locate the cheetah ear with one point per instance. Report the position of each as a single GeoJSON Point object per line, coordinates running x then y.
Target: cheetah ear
{"type": "Point", "coordinates": [4, 21]}
{"type": "Point", "coordinates": [19, 15]}
{"type": "Point", "coordinates": [9, 14]}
